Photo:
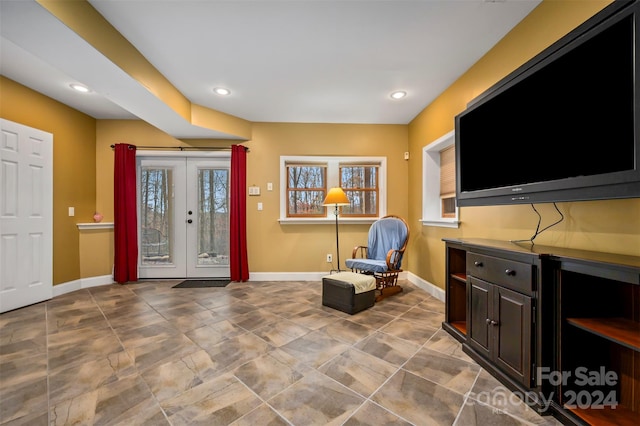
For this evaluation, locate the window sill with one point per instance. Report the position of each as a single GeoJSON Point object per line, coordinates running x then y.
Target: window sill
{"type": "Point", "coordinates": [323, 221]}
{"type": "Point", "coordinates": [100, 225]}
{"type": "Point", "coordinates": [442, 223]}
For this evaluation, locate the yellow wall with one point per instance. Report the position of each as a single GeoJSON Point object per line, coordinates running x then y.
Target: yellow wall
{"type": "Point", "coordinates": [96, 252]}
{"type": "Point", "coordinates": [74, 173]}
{"type": "Point", "coordinates": [281, 248]}
{"type": "Point", "coordinates": [83, 173]}
{"type": "Point", "coordinates": [611, 226]}
{"type": "Point", "coordinates": [273, 247]}
{"type": "Point", "coordinates": [135, 132]}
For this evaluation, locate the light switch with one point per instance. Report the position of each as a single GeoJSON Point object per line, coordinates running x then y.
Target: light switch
{"type": "Point", "coordinates": [254, 190]}
{"type": "Point", "coordinates": [269, 186]}
{"type": "Point", "coordinates": [259, 206]}
{"type": "Point", "coordinates": [72, 211]}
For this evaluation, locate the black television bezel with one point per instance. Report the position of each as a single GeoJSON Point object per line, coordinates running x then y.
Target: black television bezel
{"type": "Point", "coordinates": [617, 185]}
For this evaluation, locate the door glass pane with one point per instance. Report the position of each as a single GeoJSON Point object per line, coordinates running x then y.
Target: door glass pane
{"type": "Point", "coordinates": [156, 216]}
{"type": "Point", "coordinates": [213, 216]}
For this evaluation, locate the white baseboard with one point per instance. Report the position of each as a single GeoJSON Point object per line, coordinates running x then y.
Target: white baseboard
{"type": "Point", "coordinates": [296, 276]}
{"type": "Point", "coordinates": [68, 287]}
{"type": "Point", "coordinates": [432, 289]}
{"type": "Point", "coordinates": [286, 276]}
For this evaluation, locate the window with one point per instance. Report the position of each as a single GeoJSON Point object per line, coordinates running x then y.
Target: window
{"type": "Point", "coordinates": [439, 183]}
{"type": "Point", "coordinates": [448, 181]}
{"type": "Point", "coordinates": [360, 183]}
{"type": "Point", "coordinates": [305, 181]}
{"type": "Point", "coordinates": [306, 188]}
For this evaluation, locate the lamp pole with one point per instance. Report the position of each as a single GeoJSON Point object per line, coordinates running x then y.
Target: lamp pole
{"type": "Point", "coordinates": [337, 241]}
{"type": "Point", "coordinates": [336, 197]}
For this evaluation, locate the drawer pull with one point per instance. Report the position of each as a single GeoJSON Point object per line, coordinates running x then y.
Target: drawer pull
{"type": "Point", "coordinates": [510, 272]}
{"type": "Point", "coordinates": [492, 322]}
{"type": "Point", "coordinates": [477, 263]}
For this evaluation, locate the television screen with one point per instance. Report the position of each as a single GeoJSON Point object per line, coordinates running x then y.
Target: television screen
{"type": "Point", "coordinates": [561, 128]}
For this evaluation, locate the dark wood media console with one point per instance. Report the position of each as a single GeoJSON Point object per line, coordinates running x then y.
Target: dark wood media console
{"type": "Point", "coordinates": [560, 324]}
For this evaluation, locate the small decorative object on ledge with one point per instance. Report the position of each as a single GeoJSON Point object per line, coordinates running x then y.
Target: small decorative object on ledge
{"type": "Point", "coordinates": [97, 217]}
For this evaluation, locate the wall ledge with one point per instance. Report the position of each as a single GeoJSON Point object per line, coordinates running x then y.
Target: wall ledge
{"type": "Point", "coordinates": [92, 225]}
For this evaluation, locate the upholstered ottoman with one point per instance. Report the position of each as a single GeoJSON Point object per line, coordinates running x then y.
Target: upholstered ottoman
{"type": "Point", "coordinates": [348, 292]}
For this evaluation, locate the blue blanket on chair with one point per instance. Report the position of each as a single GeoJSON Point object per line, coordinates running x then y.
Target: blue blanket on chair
{"type": "Point", "coordinates": [384, 235]}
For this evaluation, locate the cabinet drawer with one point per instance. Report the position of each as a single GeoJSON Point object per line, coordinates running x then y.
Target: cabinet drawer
{"type": "Point", "coordinates": [517, 276]}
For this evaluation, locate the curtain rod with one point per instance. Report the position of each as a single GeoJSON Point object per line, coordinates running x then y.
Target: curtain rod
{"type": "Point", "coordinates": [184, 148]}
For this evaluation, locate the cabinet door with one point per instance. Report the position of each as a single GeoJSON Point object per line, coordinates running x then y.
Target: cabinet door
{"type": "Point", "coordinates": [479, 313]}
{"type": "Point", "coordinates": [512, 343]}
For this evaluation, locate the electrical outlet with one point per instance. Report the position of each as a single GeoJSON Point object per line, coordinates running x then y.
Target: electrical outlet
{"type": "Point", "coordinates": [329, 258]}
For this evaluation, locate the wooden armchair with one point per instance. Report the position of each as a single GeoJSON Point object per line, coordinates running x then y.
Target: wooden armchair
{"type": "Point", "coordinates": [382, 256]}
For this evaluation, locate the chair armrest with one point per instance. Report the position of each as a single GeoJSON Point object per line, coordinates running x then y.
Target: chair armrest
{"type": "Point", "coordinates": [393, 258]}
{"type": "Point", "coordinates": [361, 250]}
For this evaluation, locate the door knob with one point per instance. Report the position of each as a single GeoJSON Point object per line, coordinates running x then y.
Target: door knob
{"type": "Point", "coordinates": [190, 212]}
{"type": "Point", "coordinates": [189, 221]}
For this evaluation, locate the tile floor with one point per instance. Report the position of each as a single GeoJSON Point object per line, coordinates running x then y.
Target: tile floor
{"type": "Point", "coordinates": [256, 353]}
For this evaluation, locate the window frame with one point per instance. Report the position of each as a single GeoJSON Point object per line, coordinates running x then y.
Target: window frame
{"type": "Point", "coordinates": [342, 165]}
{"type": "Point", "coordinates": [432, 214]}
{"type": "Point", "coordinates": [333, 164]}
{"type": "Point", "coordinates": [322, 190]}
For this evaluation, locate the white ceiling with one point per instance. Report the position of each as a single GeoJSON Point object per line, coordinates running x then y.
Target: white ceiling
{"type": "Point", "coordinates": [311, 61]}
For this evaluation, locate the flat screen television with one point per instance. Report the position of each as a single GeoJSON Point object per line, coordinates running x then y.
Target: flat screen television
{"type": "Point", "coordinates": [562, 127]}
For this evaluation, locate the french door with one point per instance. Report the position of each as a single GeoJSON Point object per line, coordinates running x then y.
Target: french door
{"type": "Point", "coordinates": [183, 216]}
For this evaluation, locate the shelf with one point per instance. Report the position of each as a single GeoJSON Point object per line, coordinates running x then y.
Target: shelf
{"type": "Point", "coordinates": [460, 276]}
{"type": "Point", "coordinates": [619, 330]}
{"type": "Point", "coordinates": [607, 416]}
{"type": "Point", "coordinates": [461, 326]}
{"type": "Point", "coordinates": [93, 225]}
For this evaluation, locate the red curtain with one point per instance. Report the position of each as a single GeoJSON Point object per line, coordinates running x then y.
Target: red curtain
{"type": "Point", "coordinates": [238, 262]}
{"type": "Point", "coordinates": [125, 219]}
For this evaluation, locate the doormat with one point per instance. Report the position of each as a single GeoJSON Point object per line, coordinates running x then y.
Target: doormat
{"type": "Point", "coordinates": [202, 283]}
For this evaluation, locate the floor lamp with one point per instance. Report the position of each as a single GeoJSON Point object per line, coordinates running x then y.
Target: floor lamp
{"type": "Point", "coordinates": [336, 197]}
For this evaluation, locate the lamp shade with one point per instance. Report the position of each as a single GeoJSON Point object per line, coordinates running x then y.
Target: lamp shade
{"type": "Point", "coordinates": [336, 197]}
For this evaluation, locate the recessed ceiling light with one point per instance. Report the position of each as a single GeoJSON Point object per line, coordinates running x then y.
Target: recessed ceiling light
{"type": "Point", "coordinates": [79, 87]}
{"type": "Point", "coordinates": [222, 91]}
{"type": "Point", "coordinates": [398, 94]}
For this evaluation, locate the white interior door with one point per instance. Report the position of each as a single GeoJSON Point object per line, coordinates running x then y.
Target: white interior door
{"type": "Point", "coordinates": [183, 216]}
{"type": "Point", "coordinates": [26, 215]}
